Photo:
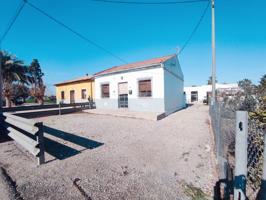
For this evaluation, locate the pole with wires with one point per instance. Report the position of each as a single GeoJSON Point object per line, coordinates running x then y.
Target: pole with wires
{"type": "Point", "coordinates": [213, 56]}
{"type": "Point", "coordinates": [13, 20]}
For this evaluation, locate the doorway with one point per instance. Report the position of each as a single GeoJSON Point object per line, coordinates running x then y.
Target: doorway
{"type": "Point", "coordinates": [123, 95]}
{"type": "Point", "coordinates": [72, 96]}
{"type": "Point", "coordinates": [194, 96]}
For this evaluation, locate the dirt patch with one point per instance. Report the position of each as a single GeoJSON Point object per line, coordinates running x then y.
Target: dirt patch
{"type": "Point", "coordinates": [194, 192]}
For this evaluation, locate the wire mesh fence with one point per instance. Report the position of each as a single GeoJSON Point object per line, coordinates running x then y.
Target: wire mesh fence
{"type": "Point", "coordinates": [255, 157]}
{"type": "Point", "coordinates": [223, 120]}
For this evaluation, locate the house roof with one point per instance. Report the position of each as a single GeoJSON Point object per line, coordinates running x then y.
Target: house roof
{"type": "Point", "coordinates": [77, 80]}
{"type": "Point", "coordinates": [135, 65]}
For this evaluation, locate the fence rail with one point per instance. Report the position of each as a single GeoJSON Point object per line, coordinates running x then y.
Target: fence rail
{"type": "Point", "coordinates": [49, 106]}
{"type": "Point", "coordinates": [27, 133]}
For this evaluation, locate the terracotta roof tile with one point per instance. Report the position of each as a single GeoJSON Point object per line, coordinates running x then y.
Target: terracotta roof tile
{"type": "Point", "coordinates": [80, 79]}
{"type": "Point", "coordinates": [135, 65]}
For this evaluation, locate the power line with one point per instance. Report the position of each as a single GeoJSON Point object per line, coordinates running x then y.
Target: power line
{"type": "Point", "coordinates": [150, 3]}
{"type": "Point", "coordinates": [74, 32]}
{"type": "Point", "coordinates": [17, 13]}
{"type": "Point", "coordinates": [194, 30]}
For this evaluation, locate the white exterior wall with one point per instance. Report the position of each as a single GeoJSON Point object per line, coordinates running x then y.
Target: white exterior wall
{"type": "Point", "coordinates": [203, 89]}
{"type": "Point", "coordinates": [173, 86]}
{"type": "Point", "coordinates": [135, 103]}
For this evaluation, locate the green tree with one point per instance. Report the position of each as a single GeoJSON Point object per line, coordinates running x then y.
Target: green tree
{"type": "Point", "coordinates": [13, 71]}
{"type": "Point", "coordinates": [209, 82]}
{"type": "Point", "coordinates": [247, 86]}
{"type": "Point", "coordinates": [20, 90]}
{"type": "Point", "coordinates": [36, 80]}
{"type": "Point", "coordinates": [249, 93]}
{"type": "Point", "coordinates": [262, 92]}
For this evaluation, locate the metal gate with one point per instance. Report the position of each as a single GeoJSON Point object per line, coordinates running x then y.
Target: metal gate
{"type": "Point", "coordinates": [122, 95]}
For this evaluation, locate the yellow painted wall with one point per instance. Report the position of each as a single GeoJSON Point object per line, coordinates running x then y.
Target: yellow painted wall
{"type": "Point", "coordinates": [77, 87]}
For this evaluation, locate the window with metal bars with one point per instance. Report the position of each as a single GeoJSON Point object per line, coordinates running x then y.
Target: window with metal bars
{"type": "Point", "coordinates": [105, 90]}
{"type": "Point", "coordinates": [145, 88]}
{"type": "Point", "coordinates": [83, 94]}
{"type": "Point", "coordinates": [62, 95]}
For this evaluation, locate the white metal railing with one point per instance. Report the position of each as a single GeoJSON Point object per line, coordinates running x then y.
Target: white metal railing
{"type": "Point", "coordinates": [27, 133]}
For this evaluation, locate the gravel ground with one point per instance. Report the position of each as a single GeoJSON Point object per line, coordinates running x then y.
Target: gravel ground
{"type": "Point", "coordinates": [104, 157]}
{"type": "Point", "coordinates": [4, 190]}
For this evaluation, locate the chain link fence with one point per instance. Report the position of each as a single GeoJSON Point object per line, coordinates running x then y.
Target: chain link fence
{"type": "Point", "coordinates": [223, 120]}
{"type": "Point", "coordinates": [223, 125]}
{"type": "Point", "coordinates": [255, 157]}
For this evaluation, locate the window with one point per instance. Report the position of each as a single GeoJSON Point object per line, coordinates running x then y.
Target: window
{"type": "Point", "coordinates": [62, 95]}
{"type": "Point", "coordinates": [145, 88]}
{"type": "Point", "coordinates": [83, 93]}
{"type": "Point", "coordinates": [105, 90]}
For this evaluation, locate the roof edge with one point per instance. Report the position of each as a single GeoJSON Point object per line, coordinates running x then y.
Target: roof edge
{"type": "Point", "coordinates": [75, 81]}
{"type": "Point", "coordinates": [155, 65]}
{"type": "Point", "coordinates": [101, 73]}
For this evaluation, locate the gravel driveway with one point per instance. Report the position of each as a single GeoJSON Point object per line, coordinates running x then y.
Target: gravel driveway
{"type": "Point", "coordinates": [104, 157]}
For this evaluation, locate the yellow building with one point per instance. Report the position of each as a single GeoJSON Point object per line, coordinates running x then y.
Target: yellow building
{"type": "Point", "coordinates": [75, 91]}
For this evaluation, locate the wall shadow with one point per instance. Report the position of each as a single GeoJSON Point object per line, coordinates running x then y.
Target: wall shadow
{"type": "Point", "coordinates": [61, 151]}
{"type": "Point", "coordinates": [189, 105]}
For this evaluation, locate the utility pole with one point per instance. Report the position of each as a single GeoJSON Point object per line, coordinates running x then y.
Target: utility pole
{"type": "Point", "coordinates": [213, 56]}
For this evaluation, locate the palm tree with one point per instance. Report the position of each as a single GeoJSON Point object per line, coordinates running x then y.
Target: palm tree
{"type": "Point", "coordinates": [13, 71]}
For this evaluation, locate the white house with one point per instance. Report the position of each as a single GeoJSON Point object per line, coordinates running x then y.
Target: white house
{"type": "Point", "coordinates": [154, 85]}
{"type": "Point", "coordinates": [199, 93]}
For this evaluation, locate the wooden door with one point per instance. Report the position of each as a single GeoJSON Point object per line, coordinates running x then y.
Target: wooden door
{"type": "Point", "coordinates": [72, 96]}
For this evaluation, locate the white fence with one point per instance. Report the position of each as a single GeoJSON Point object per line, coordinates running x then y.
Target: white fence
{"type": "Point", "coordinates": [27, 133]}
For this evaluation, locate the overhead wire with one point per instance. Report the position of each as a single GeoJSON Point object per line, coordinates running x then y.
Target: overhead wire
{"type": "Point", "coordinates": [21, 6]}
{"type": "Point", "coordinates": [13, 20]}
{"type": "Point", "coordinates": [194, 30]}
{"type": "Point", "coordinates": [149, 3]}
{"type": "Point", "coordinates": [166, 3]}
{"type": "Point", "coordinates": [74, 31]}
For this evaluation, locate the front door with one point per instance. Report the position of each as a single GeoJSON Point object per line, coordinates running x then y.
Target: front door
{"type": "Point", "coordinates": [72, 96]}
{"type": "Point", "coordinates": [122, 95]}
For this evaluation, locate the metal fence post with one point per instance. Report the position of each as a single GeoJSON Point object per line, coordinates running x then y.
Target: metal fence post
{"type": "Point", "coordinates": [262, 192]}
{"type": "Point", "coordinates": [218, 130]}
{"type": "Point", "coordinates": [241, 155]}
{"type": "Point", "coordinates": [59, 108]}
{"type": "Point", "coordinates": [40, 140]}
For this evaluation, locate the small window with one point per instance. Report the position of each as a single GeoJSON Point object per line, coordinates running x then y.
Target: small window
{"type": "Point", "coordinates": [62, 95]}
{"type": "Point", "coordinates": [83, 93]}
{"type": "Point", "coordinates": [105, 91]}
{"type": "Point", "coordinates": [145, 88]}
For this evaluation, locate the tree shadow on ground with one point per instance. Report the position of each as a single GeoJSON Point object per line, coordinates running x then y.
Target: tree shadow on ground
{"type": "Point", "coordinates": [61, 151]}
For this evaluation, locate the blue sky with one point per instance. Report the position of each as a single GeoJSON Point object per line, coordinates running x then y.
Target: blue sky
{"type": "Point", "coordinates": [135, 33]}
